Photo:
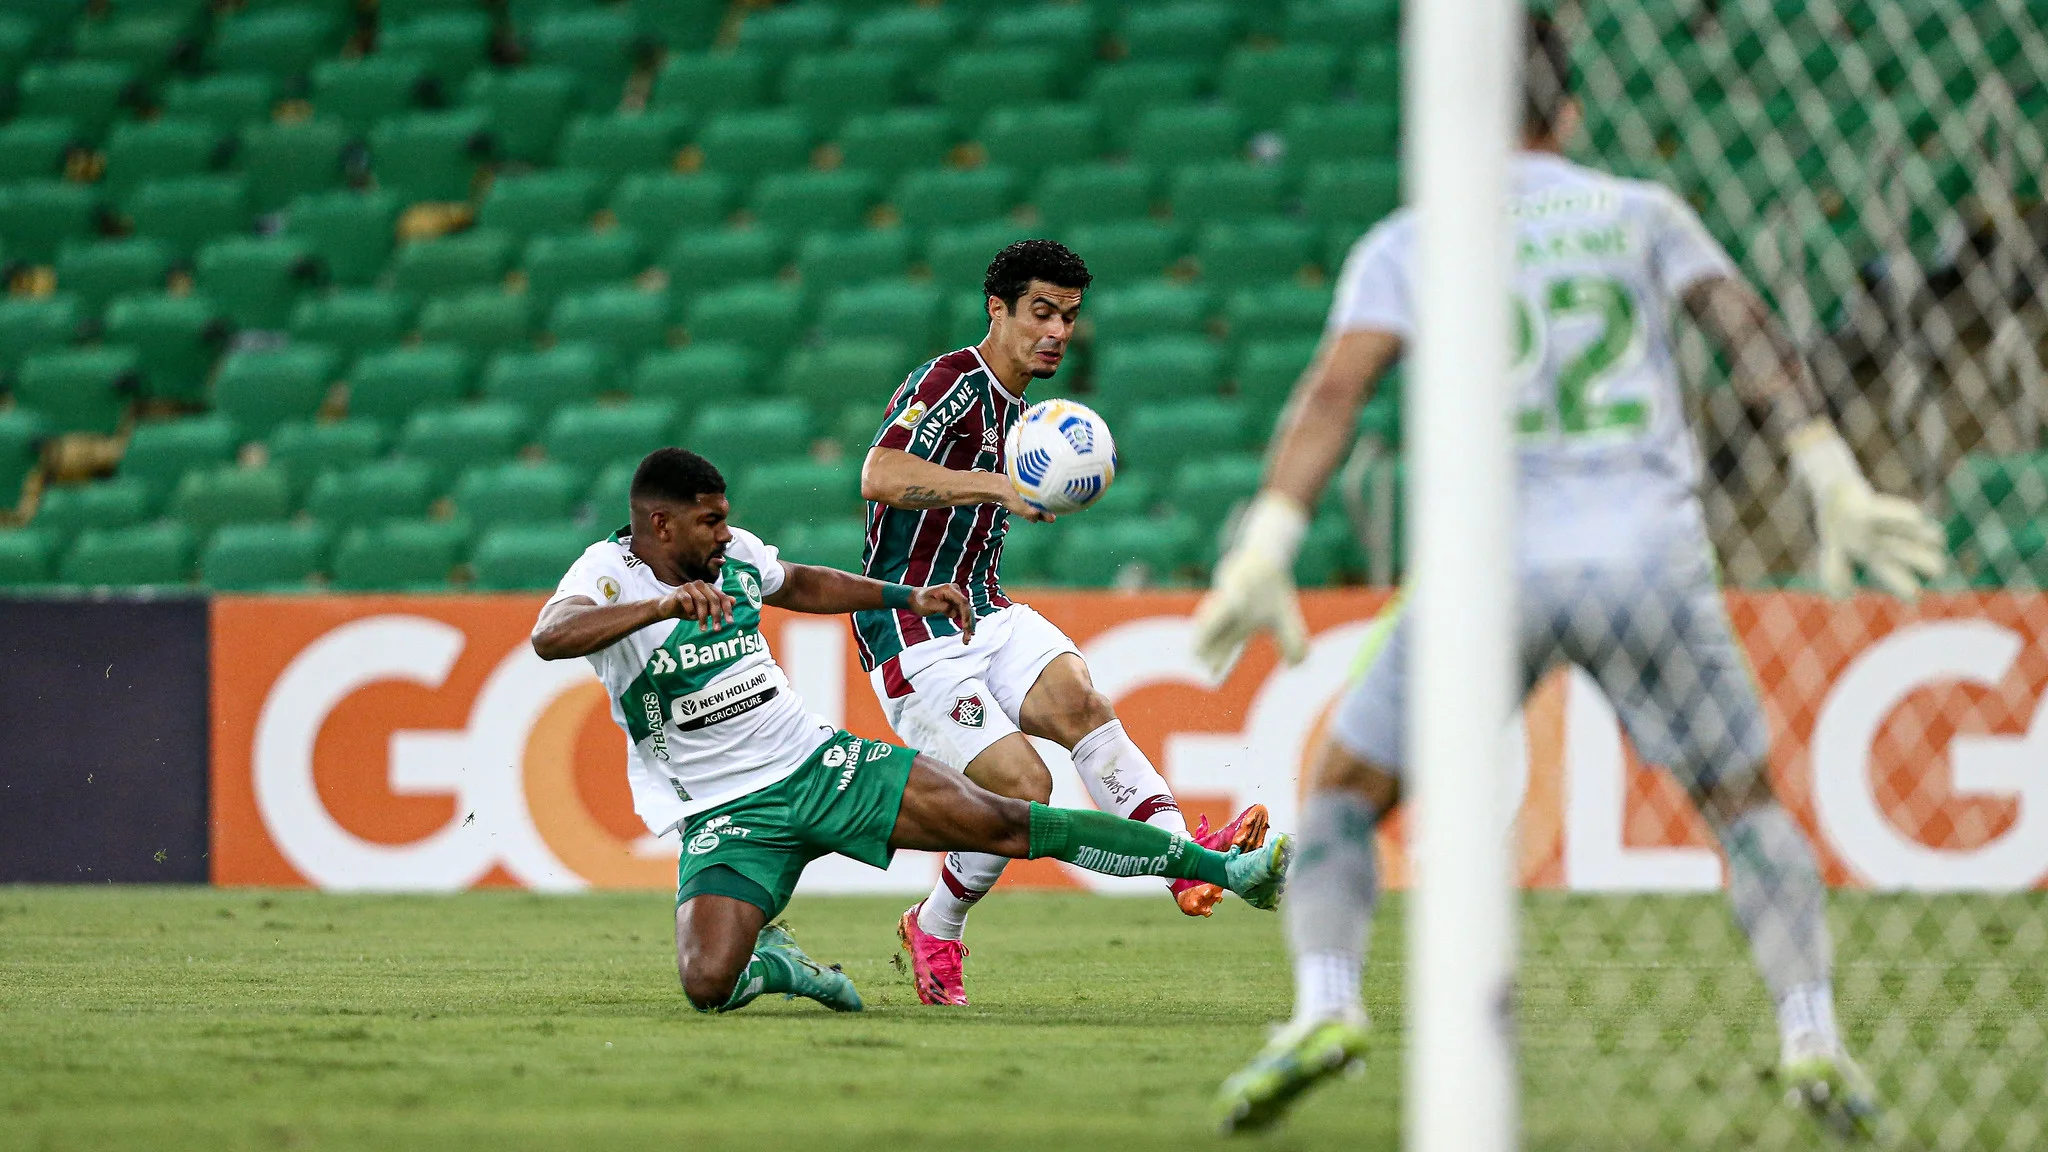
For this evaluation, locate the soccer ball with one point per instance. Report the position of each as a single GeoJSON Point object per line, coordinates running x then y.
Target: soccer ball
{"type": "Point", "coordinates": [1061, 456]}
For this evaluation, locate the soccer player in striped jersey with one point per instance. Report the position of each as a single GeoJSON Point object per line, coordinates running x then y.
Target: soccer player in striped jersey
{"type": "Point", "coordinates": [939, 505]}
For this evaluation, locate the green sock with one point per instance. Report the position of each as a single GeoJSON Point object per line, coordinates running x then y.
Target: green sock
{"type": "Point", "coordinates": [767, 972]}
{"type": "Point", "coordinates": [1115, 846]}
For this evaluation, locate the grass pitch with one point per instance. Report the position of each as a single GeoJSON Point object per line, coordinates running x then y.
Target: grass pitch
{"type": "Point", "coordinates": [192, 1018]}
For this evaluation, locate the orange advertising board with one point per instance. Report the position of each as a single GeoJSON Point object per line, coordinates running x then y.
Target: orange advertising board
{"type": "Point", "coordinates": [416, 743]}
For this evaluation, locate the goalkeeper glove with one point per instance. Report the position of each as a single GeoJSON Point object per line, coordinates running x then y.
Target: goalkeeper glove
{"type": "Point", "coordinates": [1253, 590]}
{"type": "Point", "coordinates": [1894, 541]}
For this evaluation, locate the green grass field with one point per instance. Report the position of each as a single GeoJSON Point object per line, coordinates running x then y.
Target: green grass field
{"type": "Point", "coordinates": [192, 1018]}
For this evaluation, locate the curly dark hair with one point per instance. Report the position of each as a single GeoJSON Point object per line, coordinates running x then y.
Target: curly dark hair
{"type": "Point", "coordinates": [675, 474]}
{"type": "Point", "coordinates": [1015, 267]}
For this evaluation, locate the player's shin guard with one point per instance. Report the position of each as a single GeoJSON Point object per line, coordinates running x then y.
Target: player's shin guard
{"type": "Point", "coordinates": [1333, 885]}
{"type": "Point", "coordinates": [1115, 846]}
{"type": "Point", "coordinates": [1775, 886]}
{"type": "Point", "coordinates": [964, 879]}
{"type": "Point", "coordinates": [1121, 780]}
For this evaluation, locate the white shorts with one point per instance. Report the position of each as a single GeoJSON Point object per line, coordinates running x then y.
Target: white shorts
{"type": "Point", "coordinates": [965, 697]}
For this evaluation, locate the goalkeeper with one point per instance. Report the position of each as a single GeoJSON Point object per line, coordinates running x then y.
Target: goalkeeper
{"type": "Point", "coordinates": [1616, 575]}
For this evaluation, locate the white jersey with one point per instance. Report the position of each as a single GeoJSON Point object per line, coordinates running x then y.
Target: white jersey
{"type": "Point", "coordinates": [709, 715]}
{"type": "Point", "coordinates": [1605, 450]}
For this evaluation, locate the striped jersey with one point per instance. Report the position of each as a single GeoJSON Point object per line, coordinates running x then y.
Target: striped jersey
{"type": "Point", "coordinates": [956, 414]}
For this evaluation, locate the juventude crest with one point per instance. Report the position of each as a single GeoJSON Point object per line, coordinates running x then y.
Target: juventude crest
{"type": "Point", "coordinates": [751, 588]}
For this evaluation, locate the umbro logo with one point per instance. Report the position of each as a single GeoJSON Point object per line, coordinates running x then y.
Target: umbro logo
{"type": "Point", "coordinates": [989, 439]}
{"type": "Point", "coordinates": [969, 711]}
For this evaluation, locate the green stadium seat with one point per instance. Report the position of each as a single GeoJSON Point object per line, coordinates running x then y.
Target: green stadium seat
{"type": "Point", "coordinates": [703, 372]}
{"type": "Point", "coordinates": [1277, 311]}
{"type": "Point", "coordinates": [623, 321]}
{"type": "Point", "coordinates": [1160, 437]}
{"type": "Point", "coordinates": [398, 556]}
{"type": "Point", "coordinates": [210, 499]}
{"type": "Point", "coordinates": [851, 372]}
{"type": "Point", "coordinates": [777, 34]}
{"type": "Point", "coordinates": [1128, 251]}
{"type": "Point", "coordinates": [177, 337]}
{"type": "Point", "coordinates": [31, 325]}
{"type": "Point", "coordinates": [1132, 550]}
{"type": "Point", "coordinates": [390, 385]}
{"type": "Point", "coordinates": [539, 203]}
{"type": "Point", "coordinates": [751, 432]}
{"type": "Point", "coordinates": [1134, 493]}
{"type": "Point", "coordinates": [586, 438]}
{"type": "Point", "coordinates": [854, 430]}
{"type": "Point", "coordinates": [357, 92]}
{"type": "Point", "coordinates": [142, 554]}
{"type": "Point", "coordinates": [1095, 194]}
{"type": "Point", "coordinates": [227, 100]}
{"type": "Point", "coordinates": [609, 497]}
{"type": "Point", "coordinates": [430, 155]}
{"type": "Point", "coordinates": [451, 439]}
{"type": "Point", "coordinates": [351, 232]}
{"type": "Point", "coordinates": [25, 555]}
{"type": "Point", "coordinates": [540, 382]}
{"type": "Point", "coordinates": [887, 144]}
{"type": "Point", "coordinates": [263, 557]}
{"type": "Point", "coordinates": [1069, 31]}
{"type": "Point", "coordinates": [1355, 195]}
{"type": "Point", "coordinates": [479, 258]}
{"type": "Point", "coordinates": [1188, 133]}
{"type": "Point", "coordinates": [1211, 490]}
{"type": "Point", "coordinates": [1343, 24]}
{"type": "Point", "coordinates": [1266, 370]}
{"type": "Point", "coordinates": [904, 311]}
{"type": "Point", "coordinates": [795, 492]}
{"type": "Point", "coordinates": [1142, 311]}
{"type": "Point", "coordinates": [95, 273]}
{"type": "Point", "coordinates": [959, 257]}
{"type": "Point", "coordinates": [86, 92]}
{"type": "Point", "coordinates": [1027, 552]}
{"type": "Point", "coordinates": [949, 197]}
{"type": "Point", "coordinates": [670, 203]}
{"type": "Point", "coordinates": [38, 216]}
{"type": "Point", "coordinates": [22, 435]}
{"type": "Point", "coordinates": [829, 260]}
{"type": "Point", "coordinates": [372, 492]}
{"type": "Point", "coordinates": [283, 42]}
{"type": "Point", "coordinates": [1203, 193]}
{"type": "Point", "coordinates": [306, 449]}
{"type": "Point", "coordinates": [65, 510]}
{"type": "Point", "coordinates": [1330, 553]}
{"type": "Point", "coordinates": [353, 320]}
{"type": "Point", "coordinates": [680, 24]}
{"type": "Point", "coordinates": [513, 493]}
{"type": "Point", "coordinates": [617, 145]}
{"type": "Point", "coordinates": [187, 212]}
{"type": "Point", "coordinates": [743, 144]}
{"type": "Point", "coordinates": [599, 46]}
{"type": "Point", "coordinates": [1029, 76]}
{"type": "Point", "coordinates": [450, 44]}
{"type": "Point", "coordinates": [1342, 132]}
{"type": "Point", "coordinates": [1042, 136]}
{"type": "Point", "coordinates": [967, 322]}
{"type": "Point", "coordinates": [556, 265]}
{"type": "Point", "coordinates": [483, 320]}
{"type": "Point", "coordinates": [821, 201]}
{"type": "Point", "coordinates": [1376, 74]}
{"type": "Point", "coordinates": [527, 108]}
{"type": "Point", "coordinates": [829, 87]}
{"type": "Point", "coordinates": [763, 318]}
{"type": "Point", "coordinates": [259, 388]}
{"type": "Point", "coordinates": [255, 281]}
{"type": "Point", "coordinates": [1254, 251]}
{"type": "Point", "coordinates": [157, 149]}
{"type": "Point", "coordinates": [703, 261]}
{"type": "Point", "coordinates": [1124, 92]}
{"type": "Point", "coordinates": [921, 36]}
{"type": "Point", "coordinates": [161, 452]}
{"type": "Point", "coordinates": [286, 161]}
{"type": "Point", "coordinates": [528, 556]}
{"type": "Point", "coordinates": [1269, 85]}
{"type": "Point", "coordinates": [79, 389]}
{"type": "Point", "coordinates": [36, 149]}
{"type": "Point", "coordinates": [1183, 31]}
{"type": "Point", "coordinates": [709, 82]}
{"type": "Point", "coordinates": [149, 42]}
{"type": "Point", "coordinates": [832, 544]}
{"type": "Point", "coordinates": [1162, 368]}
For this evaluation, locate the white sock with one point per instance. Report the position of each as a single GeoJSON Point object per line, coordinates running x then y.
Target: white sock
{"type": "Point", "coordinates": [1326, 987]}
{"type": "Point", "coordinates": [1806, 1021]}
{"type": "Point", "coordinates": [1121, 780]}
{"type": "Point", "coordinates": [964, 878]}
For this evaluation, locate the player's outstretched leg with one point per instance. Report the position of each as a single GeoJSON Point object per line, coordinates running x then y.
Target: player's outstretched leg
{"type": "Point", "coordinates": [728, 956]}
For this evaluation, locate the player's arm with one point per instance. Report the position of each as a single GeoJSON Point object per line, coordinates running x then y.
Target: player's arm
{"type": "Point", "coordinates": [902, 480]}
{"type": "Point", "coordinates": [577, 625]}
{"type": "Point", "coordinates": [828, 591]}
{"type": "Point", "coordinates": [1892, 538]}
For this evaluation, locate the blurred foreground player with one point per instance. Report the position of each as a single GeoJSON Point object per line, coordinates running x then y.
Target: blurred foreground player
{"type": "Point", "coordinates": [939, 506]}
{"type": "Point", "coordinates": [669, 612]}
{"type": "Point", "coordinates": [1616, 575]}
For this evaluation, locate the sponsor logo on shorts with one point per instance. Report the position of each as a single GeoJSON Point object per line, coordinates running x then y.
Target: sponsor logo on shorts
{"type": "Point", "coordinates": [703, 842]}
{"type": "Point", "coordinates": [713, 833]}
{"type": "Point", "coordinates": [969, 711]}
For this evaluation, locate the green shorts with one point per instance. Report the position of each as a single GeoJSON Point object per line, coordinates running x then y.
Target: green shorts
{"type": "Point", "coordinates": [842, 799]}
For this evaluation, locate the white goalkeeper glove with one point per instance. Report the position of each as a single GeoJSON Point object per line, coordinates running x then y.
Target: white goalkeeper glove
{"type": "Point", "coordinates": [1253, 589]}
{"type": "Point", "coordinates": [1898, 544]}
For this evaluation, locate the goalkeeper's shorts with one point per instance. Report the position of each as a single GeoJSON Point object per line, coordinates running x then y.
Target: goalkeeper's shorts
{"type": "Point", "coordinates": [1654, 633]}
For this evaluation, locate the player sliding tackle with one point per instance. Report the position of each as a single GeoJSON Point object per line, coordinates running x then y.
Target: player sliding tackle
{"type": "Point", "coordinates": [1616, 576]}
{"type": "Point", "coordinates": [668, 610]}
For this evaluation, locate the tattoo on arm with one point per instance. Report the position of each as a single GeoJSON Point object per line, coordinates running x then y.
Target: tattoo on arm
{"type": "Point", "coordinates": [919, 496]}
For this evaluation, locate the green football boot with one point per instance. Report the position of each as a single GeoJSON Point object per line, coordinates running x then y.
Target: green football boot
{"type": "Point", "coordinates": [1260, 876]}
{"type": "Point", "coordinates": [1835, 1091]}
{"type": "Point", "coordinates": [1297, 1058]}
{"type": "Point", "coordinates": [813, 981]}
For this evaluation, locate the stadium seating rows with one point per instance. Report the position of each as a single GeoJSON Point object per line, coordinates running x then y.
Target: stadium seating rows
{"type": "Point", "coordinates": [381, 296]}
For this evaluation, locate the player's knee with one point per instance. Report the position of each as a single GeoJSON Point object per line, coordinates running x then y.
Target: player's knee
{"type": "Point", "coordinates": [1724, 798]}
{"type": "Point", "coordinates": [707, 984]}
{"type": "Point", "coordinates": [1012, 768]}
{"type": "Point", "coordinates": [1338, 769]}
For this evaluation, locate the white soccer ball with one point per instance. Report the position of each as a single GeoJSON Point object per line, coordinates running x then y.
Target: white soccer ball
{"type": "Point", "coordinates": [1061, 456]}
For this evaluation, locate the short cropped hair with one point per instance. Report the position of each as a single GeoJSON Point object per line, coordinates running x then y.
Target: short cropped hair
{"type": "Point", "coordinates": [1546, 77]}
{"type": "Point", "coordinates": [1015, 267]}
{"type": "Point", "coordinates": [675, 474]}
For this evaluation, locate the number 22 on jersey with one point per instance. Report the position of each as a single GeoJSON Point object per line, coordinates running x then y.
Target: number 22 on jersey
{"type": "Point", "coordinates": [1593, 327]}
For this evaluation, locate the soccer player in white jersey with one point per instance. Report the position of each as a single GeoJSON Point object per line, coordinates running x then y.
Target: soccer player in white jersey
{"type": "Point", "coordinates": [1616, 575]}
{"type": "Point", "coordinates": [939, 507]}
{"type": "Point", "coordinates": [668, 610]}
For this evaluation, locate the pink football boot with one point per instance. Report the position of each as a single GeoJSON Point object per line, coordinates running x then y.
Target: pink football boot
{"type": "Point", "coordinates": [935, 963]}
{"type": "Point", "coordinates": [1245, 833]}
